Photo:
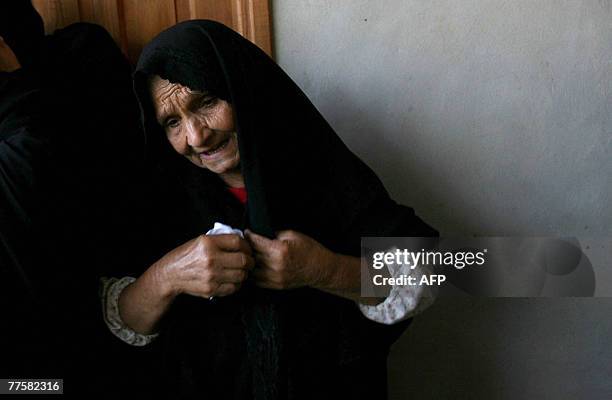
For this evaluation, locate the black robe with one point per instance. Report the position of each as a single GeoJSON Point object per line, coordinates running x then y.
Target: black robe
{"type": "Point", "coordinates": [70, 146]}
{"type": "Point", "coordinates": [257, 343]}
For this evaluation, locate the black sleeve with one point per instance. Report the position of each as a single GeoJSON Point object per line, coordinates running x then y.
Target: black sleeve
{"type": "Point", "coordinates": [385, 218]}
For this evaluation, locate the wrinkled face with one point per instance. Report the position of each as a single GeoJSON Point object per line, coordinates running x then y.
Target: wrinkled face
{"type": "Point", "coordinates": [199, 126]}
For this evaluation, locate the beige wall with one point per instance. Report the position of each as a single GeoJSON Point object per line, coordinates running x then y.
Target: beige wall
{"type": "Point", "coordinates": [489, 117]}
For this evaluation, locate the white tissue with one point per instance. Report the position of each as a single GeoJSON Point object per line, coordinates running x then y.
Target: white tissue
{"type": "Point", "coordinates": [222, 229]}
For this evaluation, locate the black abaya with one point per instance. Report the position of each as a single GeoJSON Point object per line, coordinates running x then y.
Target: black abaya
{"type": "Point", "coordinates": [265, 344]}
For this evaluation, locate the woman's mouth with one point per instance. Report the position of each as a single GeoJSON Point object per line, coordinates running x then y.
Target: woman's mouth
{"type": "Point", "coordinates": [211, 153]}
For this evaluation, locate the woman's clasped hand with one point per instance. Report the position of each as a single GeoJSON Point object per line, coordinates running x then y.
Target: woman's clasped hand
{"type": "Point", "coordinates": [218, 265]}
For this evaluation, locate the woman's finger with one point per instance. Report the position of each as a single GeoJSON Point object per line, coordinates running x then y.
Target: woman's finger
{"type": "Point", "coordinates": [264, 261]}
{"type": "Point", "coordinates": [259, 243]}
{"type": "Point", "coordinates": [231, 242]}
{"type": "Point", "coordinates": [235, 260]}
{"type": "Point", "coordinates": [232, 276]}
{"type": "Point", "coordinates": [225, 289]}
{"type": "Point", "coordinates": [287, 235]}
{"type": "Point", "coordinates": [215, 290]}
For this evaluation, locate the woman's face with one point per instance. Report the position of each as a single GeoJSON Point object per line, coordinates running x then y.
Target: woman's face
{"type": "Point", "coordinates": [200, 127]}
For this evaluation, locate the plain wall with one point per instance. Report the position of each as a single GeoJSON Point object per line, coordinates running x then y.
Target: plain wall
{"type": "Point", "coordinates": [488, 117]}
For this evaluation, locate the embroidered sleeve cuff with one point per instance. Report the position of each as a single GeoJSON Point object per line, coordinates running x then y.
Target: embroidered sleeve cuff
{"type": "Point", "coordinates": [403, 302]}
{"type": "Point", "coordinates": [110, 291]}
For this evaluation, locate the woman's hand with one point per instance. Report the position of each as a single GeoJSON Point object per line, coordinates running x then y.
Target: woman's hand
{"type": "Point", "coordinates": [8, 59]}
{"type": "Point", "coordinates": [290, 261]}
{"type": "Point", "coordinates": [294, 260]}
{"type": "Point", "coordinates": [206, 266]}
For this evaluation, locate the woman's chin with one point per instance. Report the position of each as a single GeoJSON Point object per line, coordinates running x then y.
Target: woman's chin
{"type": "Point", "coordinates": [223, 167]}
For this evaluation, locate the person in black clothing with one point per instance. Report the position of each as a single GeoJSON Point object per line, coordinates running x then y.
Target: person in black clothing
{"type": "Point", "coordinates": [232, 139]}
{"type": "Point", "coordinates": [70, 148]}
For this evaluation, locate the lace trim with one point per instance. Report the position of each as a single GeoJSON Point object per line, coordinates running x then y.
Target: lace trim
{"type": "Point", "coordinates": [403, 302]}
{"type": "Point", "coordinates": [110, 291]}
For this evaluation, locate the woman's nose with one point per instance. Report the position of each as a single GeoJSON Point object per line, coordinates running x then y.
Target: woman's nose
{"type": "Point", "coordinates": [197, 133]}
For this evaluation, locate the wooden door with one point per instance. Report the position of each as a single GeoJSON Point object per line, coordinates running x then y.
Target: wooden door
{"type": "Point", "coordinates": [132, 23]}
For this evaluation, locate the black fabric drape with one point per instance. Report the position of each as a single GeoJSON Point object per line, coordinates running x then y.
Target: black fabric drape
{"type": "Point", "coordinates": [265, 344]}
{"type": "Point", "coordinates": [70, 148]}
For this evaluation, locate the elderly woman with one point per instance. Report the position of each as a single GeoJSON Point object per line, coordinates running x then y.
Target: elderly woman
{"type": "Point", "coordinates": [270, 314]}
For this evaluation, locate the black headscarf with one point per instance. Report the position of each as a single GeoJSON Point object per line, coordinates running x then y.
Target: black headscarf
{"type": "Point", "coordinates": [299, 175]}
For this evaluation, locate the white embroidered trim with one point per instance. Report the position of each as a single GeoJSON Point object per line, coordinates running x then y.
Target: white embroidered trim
{"type": "Point", "coordinates": [403, 302]}
{"type": "Point", "coordinates": [110, 291]}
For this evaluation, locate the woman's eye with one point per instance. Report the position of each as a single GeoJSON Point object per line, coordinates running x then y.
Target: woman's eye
{"type": "Point", "coordinates": [172, 123]}
{"type": "Point", "coordinates": [207, 101]}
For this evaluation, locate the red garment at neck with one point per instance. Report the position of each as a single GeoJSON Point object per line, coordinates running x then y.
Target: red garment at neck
{"type": "Point", "coordinates": [239, 193]}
